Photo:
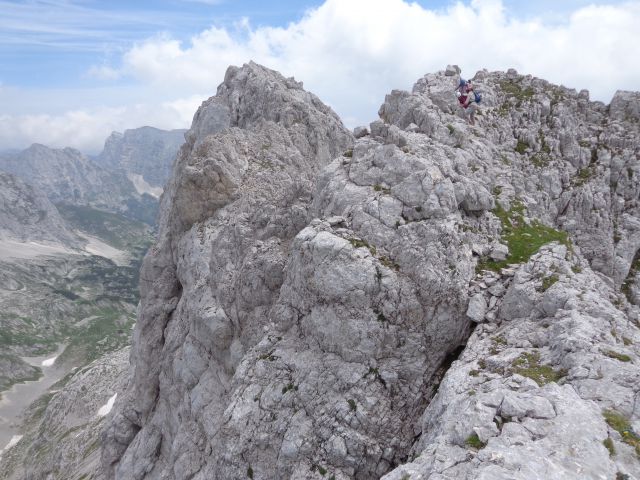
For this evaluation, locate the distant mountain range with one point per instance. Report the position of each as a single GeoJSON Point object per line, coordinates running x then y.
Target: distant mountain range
{"type": "Point", "coordinates": [127, 177]}
{"type": "Point", "coordinates": [144, 154]}
{"type": "Point", "coordinates": [27, 215]}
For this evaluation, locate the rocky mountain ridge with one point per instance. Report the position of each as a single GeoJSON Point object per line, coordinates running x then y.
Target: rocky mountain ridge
{"type": "Point", "coordinates": [145, 154]}
{"type": "Point", "coordinates": [26, 215]}
{"type": "Point", "coordinates": [290, 334]}
{"type": "Point", "coordinates": [69, 177]}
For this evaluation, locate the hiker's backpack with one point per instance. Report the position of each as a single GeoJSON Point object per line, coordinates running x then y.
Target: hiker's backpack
{"type": "Point", "coordinates": [463, 86]}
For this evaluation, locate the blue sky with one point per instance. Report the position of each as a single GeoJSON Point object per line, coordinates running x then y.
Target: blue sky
{"type": "Point", "coordinates": [54, 42]}
{"type": "Point", "coordinates": [72, 70]}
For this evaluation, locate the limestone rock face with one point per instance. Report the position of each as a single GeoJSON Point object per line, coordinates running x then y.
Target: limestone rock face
{"type": "Point", "coordinates": [309, 293]}
{"type": "Point", "coordinates": [62, 429]}
{"type": "Point", "coordinates": [27, 215]}
{"type": "Point", "coordinates": [68, 176]}
{"type": "Point", "coordinates": [530, 395]}
{"type": "Point", "coordinates": [145, 154]}
{"type": "Point", "coordinates": [242, 190]}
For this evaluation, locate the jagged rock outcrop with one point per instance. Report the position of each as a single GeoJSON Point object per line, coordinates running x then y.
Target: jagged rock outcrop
{"type": "Point", "coordinates": [26, 215]}
{"type": "Point", "coordinates": [285, 334]}
{"type": "Point", "coordinates": [242, 186]}
{"type": "Point", "coordinates": [534, 391]}
{"type": "Point", "coordinates": [62, 429]}
{"type": "Point", "coordinates": [145, 154]}
{"type": "Point", "coordinates": [68, 176]}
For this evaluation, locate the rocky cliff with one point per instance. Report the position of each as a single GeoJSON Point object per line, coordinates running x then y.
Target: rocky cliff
{"type": "Point", "coordinates": [67, 176]}
{"type": "Point", "coordinates": [26, 215]}
{"type": "Point", "coordinates": [145, 154]}
{"type": "Point", "coordinates": [431, 300]}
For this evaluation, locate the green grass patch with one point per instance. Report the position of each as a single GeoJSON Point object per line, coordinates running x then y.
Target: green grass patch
{"type": "Point", "coordinates": [608, 444]}
{"type": "Point", "coordinates": [318, 468]}
{"type": "Point", "coordinates": [474, 441]}
{"type": "Point", "coordinates": [513, 89]}
{"type": "Point", "coordinates": [352, 405]}
{"type": "Point", "coordinates": [528, 365]}
{"type": "Point", "coordinates": [359, 243]}
{"type": "Point", "coordinates": [544, 146]}
{"type": "Point", "coordinates": [379, 188]}
{"type": "Point", "coordinates": [523, 239]}
{"type": "Point", "coordinates": [620, 424]}
{"type": "Point", "coordinates": [540, 160]}
{"type": "Point", "coordinates": [633, 272]}
{"type": "Point", "coordinates": [547, 282]}
{"type": "Point", "coordinates": [27, 335]}
{"type": "Point", "coordinates": [621, 357]}
{"type": "Point", "coordinates": [118, 231]}
{"type": "Point", "coordinates": [521, 147]}
{"type": "Point", "coordinates": [109, 331]}
{"type": "Point", "coordinates": [288, 388]}
{"type": "Point", "coordinates": [387, 262]}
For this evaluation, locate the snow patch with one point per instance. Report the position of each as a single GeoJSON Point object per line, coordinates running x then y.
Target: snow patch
{"type": "Point", "coordinates": [49, 361]}
{"type": "Point", "coordinates": [143, 187]}
{"type": "Point", "coordinates": [12, 443]}
{"type": "Point", "coordinates": [95, 246]}
{"type": "Point", "coordinates": [106, 408]}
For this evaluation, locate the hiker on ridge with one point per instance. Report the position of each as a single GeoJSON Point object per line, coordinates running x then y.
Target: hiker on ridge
{"type": "Point", "coordinates": [468, 99]}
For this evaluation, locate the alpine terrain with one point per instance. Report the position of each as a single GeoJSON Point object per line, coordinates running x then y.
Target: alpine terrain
{"type": "Point", "coordinates": [144, 154]}
{"type": "Point", "coordinates": [416, 299]}
{"type": "Point", "coordinates": [68, 295]}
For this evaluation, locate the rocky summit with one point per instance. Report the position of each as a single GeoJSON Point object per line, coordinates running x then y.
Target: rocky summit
{"type": "Point", "coordinates": [429, 300]}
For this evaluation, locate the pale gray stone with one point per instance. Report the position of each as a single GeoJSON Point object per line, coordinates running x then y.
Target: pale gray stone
{"type": "Point", "coordinates": [274, 338]}
{"type": "Point", "coordinates": [452, 70]}
{"type": "Point", "coordinates": [360, 132]}
{"type": "Point", "coordinates": [477, 308]}
{"type": "Point", "coordinates": [499, 252]}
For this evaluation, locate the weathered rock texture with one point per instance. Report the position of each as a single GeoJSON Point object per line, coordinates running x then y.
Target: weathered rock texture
{"type": "Point", "coordinates": [285, 334]}
{"type": "Point", "coordinates": [62, 429]}
{"type": "Point", "coordinates": [27, 215]}
{"type": "Point", "coordinates": [144, 153]}
{"type": "Point", "coordinates": [68, 176]}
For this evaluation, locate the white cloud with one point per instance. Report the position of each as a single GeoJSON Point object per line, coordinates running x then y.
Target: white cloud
{"type": "Point", "coordinates": [86, 130]}
{"type": "Point", "coordinates": [352, 52]}
{"type": "Point", "coordinates": [104, 72]}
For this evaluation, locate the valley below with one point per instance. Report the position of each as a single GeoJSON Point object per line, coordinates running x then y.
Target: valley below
{"type": "Point", "coordinates": [61, 309]}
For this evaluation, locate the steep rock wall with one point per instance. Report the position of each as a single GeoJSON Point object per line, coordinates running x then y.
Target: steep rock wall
{"type": "Point", "coordinates": [289, 335]}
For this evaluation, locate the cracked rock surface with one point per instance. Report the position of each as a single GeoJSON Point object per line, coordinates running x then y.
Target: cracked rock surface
{"type": "Point", "coordinates": [310, 292]}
